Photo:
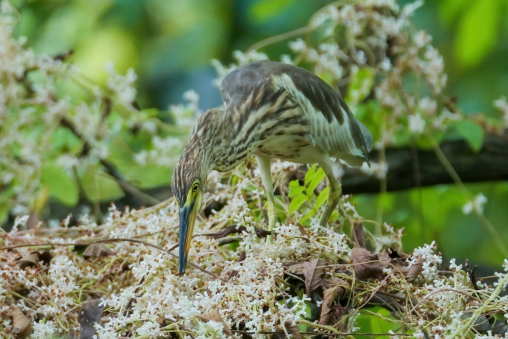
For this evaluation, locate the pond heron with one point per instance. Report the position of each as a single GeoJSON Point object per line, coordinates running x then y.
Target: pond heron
{"type": "Point", "coordinates": [271, 110]}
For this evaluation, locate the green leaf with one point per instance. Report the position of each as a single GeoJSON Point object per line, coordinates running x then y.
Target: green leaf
{"type": "Point", "coordinates": [472, 132]}
{"type": "Point", "coordinates": [147, 176]}
{"type": "Point", "coordinates": [449, 10]}
{"type": "Point", "coordinates": [59, 184]}
{"type": "Point", "coordinates": [372, 115]}
{"type": "Point", "coordinates": [478, 31]}
{"type": "Point", "coordinates": [234, 246]}
{"type": "Point", "coordinates": [5, 207]}
{"type": "Point", "coordinates": [295, 188]}
{"type": "Point", "coordinates": [295, 204]}
{"type": "Point", "coordinates": [307, 216]}
{"type": "Point", "coordinates": [323, 195]}
{"type": "Point", "coordinates": [428, 141]}
{"type": "Point", "coordinates": [264, 10]}
{"type": "Point", "coordinates": [99, 187]}
{"type": "Point", "coordinates": [316, 180]}
{"type": "Point", "coordinates": [310, 174]}
{"type": "Point", "coordinates": [360, 85]}
{"type": "Point", "coordinates": [376, 323]}
{"type": "Point", "coordinates": [335, 215]}
{"type": "Point", "coordinates": [151, 112]}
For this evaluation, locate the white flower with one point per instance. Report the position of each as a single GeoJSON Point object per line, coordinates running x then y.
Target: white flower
{"type": "Point", "coordinates": [416, 124]}
{"type": "Point", "coordinates": [286, 59]}
{"type": "Point", "coordinates": [502, 105]}
{"type": "Point", "coordinates": [376, 169]}
{"type": "Point", "coordinates": [454, 266]}
{"type": "Point", "coordinates": [475, 205]}
{"type": "Point", "coordinates": [191, 96]}
{"type": "Point", "coordinates": [386, 65]}
{"type": "Point", "coordinates": [122, 86]}
{"type": "Point", "coordinates": [250, 56]}
{"type": "Point", "coordinates": [427, 106]}
{"type": "Point", "coordinates": [298, 46]}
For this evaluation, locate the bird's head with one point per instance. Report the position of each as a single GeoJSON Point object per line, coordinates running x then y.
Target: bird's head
{"type": "Point", "coordinates": [188, 185]}
{"type": "Point", "coordinates": [191, 171]}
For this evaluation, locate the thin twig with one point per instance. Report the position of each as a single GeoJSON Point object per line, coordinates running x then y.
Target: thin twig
{"type": "Point", "coordinates": [281, 37]}
{"type": "Point", "coordinates": [444, 290]}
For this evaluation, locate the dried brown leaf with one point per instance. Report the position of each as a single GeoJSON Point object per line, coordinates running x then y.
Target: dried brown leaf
{"type": "Point", "coordinates": [415, 270]}
{"type": "Point", "coordinates": [33, 220]}
{"type": "Point", "coordinates": [45, 257]}
{"type": "Point", "coordinates": [384, 257]}
{"type": "Point", "coordinates": [91, 314]}
{"type": "Point", "coordinates": [334, 288]}
{"type": "Point", "coordinates": [398, 254]}
{"type": "Point", "coordinates": [359, 238]}
{"type": "Point", "coordinates": [293, 329]}
{"type": "Point", "coordinates": [367, 264]}
{"type": "Point", "coordinates": [313, 273]}
{"type": "Point", "coordinates": [214, 315]}
{"type": "Point", "coordinates": [28, 260]}
{"type": "Point", "coordinates": [21, 323]}
{"type": "Point", "coordinates": [97, 250]}
{"type": "Point", "coordinates": [261, 233]}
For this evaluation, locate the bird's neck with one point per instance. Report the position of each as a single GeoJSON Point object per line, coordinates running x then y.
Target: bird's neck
{"type": "Point", "coordinates": [200, 155]}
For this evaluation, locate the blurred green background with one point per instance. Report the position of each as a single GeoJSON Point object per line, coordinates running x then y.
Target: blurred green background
{"type": "Point", "coordinates": [170, 43]}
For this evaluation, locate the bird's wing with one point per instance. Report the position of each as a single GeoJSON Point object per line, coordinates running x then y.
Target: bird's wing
{"type": "Point", "coordinates": [252, 84]}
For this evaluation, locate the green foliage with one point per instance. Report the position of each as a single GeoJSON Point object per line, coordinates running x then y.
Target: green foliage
{"type": "Point", "coordinates": [60, 184]}
{"type": "Point", "coordinates": [472, 133]}
{"type": "Point", "coordinates": [268, 9]}
{"type": "Point", "coordinates": [360, 86]}
{"type": "Point", "coordinates": [305, 199]}
{"type": "Point", "coordinates": [478, 30]}
{"type": "Point", "coordinates": [375, 320]}
{"type": "Point", "coordinates": [100, 187]}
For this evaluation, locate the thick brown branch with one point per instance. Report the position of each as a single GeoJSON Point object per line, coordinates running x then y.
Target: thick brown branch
{"type": "Point", "coordinates": [490, 164]}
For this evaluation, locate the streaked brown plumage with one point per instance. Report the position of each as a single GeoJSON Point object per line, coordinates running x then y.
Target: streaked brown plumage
{"type": "Point", "coordinates": [271, 110]}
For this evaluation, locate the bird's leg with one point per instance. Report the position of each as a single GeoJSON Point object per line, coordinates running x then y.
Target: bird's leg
{"type": "Point", "coordinates": [266, 176]}
{"type": "Point", "coordinates": [335, 191]}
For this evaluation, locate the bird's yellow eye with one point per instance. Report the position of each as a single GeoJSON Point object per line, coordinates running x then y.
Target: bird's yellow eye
{"type": "Point", "coordinates": [195, 187]}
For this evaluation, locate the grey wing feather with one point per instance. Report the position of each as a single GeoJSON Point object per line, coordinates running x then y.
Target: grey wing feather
{"type": "Point", "coordinates": [254, 81]}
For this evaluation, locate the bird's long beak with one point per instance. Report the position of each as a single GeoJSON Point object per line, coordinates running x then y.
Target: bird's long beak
{"type": "Point", "coordinates": [187, 219]}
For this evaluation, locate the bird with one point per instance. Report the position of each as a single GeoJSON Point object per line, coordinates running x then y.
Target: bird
{"type": "Point", "coordinates": [271, 110]}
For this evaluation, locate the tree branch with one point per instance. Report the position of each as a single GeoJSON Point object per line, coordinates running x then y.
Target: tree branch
{"type": "Point", "coordinates": [490, 164]}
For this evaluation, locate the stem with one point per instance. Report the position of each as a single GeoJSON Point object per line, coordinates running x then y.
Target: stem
{"type": "Point", "coordinates": [281, 37]}
{"type": "Point", "coordinates": [484, 221]}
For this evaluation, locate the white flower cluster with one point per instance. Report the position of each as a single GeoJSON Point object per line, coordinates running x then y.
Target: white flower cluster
{"type": "Point", "coordinates": [70, 134]}
{"type": "Point", "coordinates": [122, 85]}
{"type": "Point", "coordinates": [502, 105]}
{"type": "Point", "coordinates": [376, 169]}
{"type": "Point", "coordinates": [476, 205]}
{"type": "Point", "coordinates": [431, 261]}
{"type": "Point", "coordinates": [248, 285]}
